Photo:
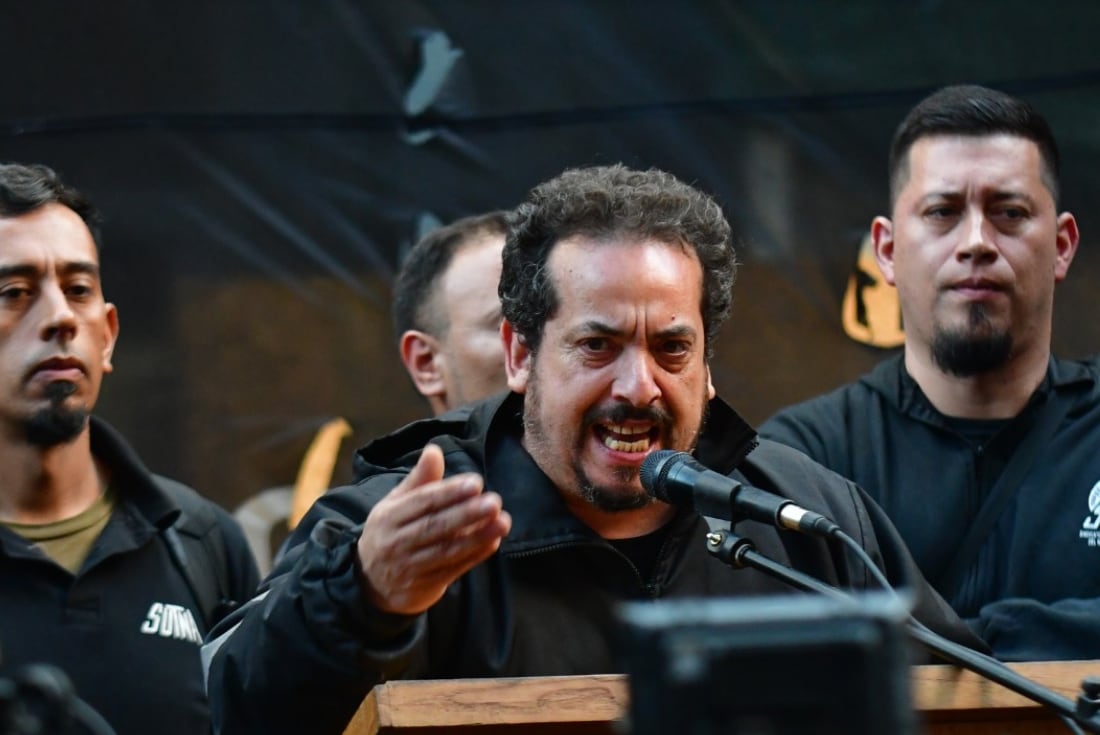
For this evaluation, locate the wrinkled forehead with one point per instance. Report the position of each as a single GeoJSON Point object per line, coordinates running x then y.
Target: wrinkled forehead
{"type": "Point", "coordinates": [954, 159]}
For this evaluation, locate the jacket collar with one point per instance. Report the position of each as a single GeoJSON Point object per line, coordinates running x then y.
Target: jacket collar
{"type": "Point", "coordinates": [129, 476]}
{"type": "Point", "coordinates": [892, 380]}
{"type": "Point", "coordinates": [726, 439]}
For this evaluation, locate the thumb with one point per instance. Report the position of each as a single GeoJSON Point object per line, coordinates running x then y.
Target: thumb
{"type": "Point", "coordinates": [429, 468]}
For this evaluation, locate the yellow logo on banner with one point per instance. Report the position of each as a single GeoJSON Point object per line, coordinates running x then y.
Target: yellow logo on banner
{"type": "Point", "coordinates": [870, 311]}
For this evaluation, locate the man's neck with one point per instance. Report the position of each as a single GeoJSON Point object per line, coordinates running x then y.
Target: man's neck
{"type": "Point", "coordinates": [44, 485]}
{"type": "Point", "coordinates": [998, 394]}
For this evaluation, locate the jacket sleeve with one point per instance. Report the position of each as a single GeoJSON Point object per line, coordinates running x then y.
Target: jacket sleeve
{"type": "Point", "coordinates": [807, 427]}
{"type": "Point", "coordinates": [929, 608]}
{"type": "Point", "coordinates": [302, 654]}
{"type": "Point", "coordinates": [1020, 629]}
{"type": "Point", "coordinates": [243, 574]}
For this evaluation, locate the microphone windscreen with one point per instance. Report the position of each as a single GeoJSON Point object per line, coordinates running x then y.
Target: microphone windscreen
{"type": "Point", "coordinates": [654, 469]}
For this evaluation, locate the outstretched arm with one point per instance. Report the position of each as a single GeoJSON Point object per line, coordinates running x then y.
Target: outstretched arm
{"type": "Point", "coordinates": [345, 608]}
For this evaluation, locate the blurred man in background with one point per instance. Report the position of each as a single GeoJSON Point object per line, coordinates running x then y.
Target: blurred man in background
{"type": "Point", "coordinates": [447, 313]}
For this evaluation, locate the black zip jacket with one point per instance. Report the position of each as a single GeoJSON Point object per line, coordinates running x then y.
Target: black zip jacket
{"type": "Point", "coordinates": [302, 656]}
{"type": "Point", "coordinates": [127, 628]}
{"type": "Point", "coordinates": [1033, 591]}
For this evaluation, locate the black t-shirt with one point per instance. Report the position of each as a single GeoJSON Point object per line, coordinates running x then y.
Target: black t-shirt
{"type": "Point", "coordinates": [643, 550]}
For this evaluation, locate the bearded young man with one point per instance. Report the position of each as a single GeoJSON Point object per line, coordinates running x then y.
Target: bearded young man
{"type": "Point", "coordinates": [496, 543]}
{"type": "Point", "coordinates": [979, 444]}
{"type": "Point", "coordinates": [107, 572]}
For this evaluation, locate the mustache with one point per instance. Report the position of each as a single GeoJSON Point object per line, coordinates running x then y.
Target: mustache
{"type": "Point", "coordinates": [622, 412]}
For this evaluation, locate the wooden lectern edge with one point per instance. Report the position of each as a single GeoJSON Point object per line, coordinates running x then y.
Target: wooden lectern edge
{"type": "Point", "coordinates": [940, 692]}
{"type": "Point", "coordinates": [592, 698]}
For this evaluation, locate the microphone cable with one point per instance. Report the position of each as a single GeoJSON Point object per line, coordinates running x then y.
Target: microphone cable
{"type": "Point", "coordinates": [980, 663]}
{"type": "Point", "coordinates": [678, 478]}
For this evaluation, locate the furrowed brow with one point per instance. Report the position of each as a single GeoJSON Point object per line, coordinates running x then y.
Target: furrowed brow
{"type": "Point", "coordinates": [18, 271]}
{"type": "Point", "coordinates": [594, 326]}
{"type": "Point", "coordinates": [80, 267]}
{"type": "Point", "coordinates": [681, 331]}
{"type": "Point", "coordinates": [26, 270]}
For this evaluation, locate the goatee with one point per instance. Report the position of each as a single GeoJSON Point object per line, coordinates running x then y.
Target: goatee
{"type": "Point", "coordinates": [973, 350]}
{"type": "Point", "coordinates": [55, 424]}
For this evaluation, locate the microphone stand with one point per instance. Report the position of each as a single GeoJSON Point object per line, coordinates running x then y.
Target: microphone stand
{"type": "Point", "coordinates": [740, 552]}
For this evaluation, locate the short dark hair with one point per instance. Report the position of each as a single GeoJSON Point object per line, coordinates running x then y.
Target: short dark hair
{"type": "Point", "coordinates": [604, 203]}
{"type": "Point", "coordinates": [27, 187]}
{"type": "Point", "coordinates": [426, 263]}
{"type": "Point", "coordinates": [969, 109]}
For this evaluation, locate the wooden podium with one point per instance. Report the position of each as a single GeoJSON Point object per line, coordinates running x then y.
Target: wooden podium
{"type": "Point", "coordinates": [951, 701]}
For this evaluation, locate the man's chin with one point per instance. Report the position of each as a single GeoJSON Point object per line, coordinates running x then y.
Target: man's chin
{"type": "Point", "coordinates": [970, 353]}
{"type": "Point", "coordinates": [54, 426]}
{"type": "Point", "coordinates": [612, 503]}
{"type": "Point", "coordinates": [615, 495]}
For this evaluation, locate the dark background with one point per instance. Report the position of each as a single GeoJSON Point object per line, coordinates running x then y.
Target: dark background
{"type": "Point", "coordinates": [263, 166]}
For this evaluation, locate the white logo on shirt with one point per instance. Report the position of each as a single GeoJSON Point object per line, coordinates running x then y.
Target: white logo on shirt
{"type": "Point", "coordinates": [171, 621]}
{"type": "Point", "coordinates": [1090, 529]}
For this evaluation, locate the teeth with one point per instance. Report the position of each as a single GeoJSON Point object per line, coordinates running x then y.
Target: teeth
{"type": "Point", "coordinates": [621, 446]}
{"type": "Point", "coordinates": [626, 438]}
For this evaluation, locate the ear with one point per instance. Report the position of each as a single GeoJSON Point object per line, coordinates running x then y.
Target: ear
{"type": "Point", "coordinates": [421, 354]}
{"type": "Point", "coordinates": [1067, 239]}
{"type": "Point", "coordinates": [517, 358]}
{"type": "Point", "coordinates": [711, 393]}
{"type": "Point", "coordinates": [111, 317]}
{"type": "Point", "coordinates": [882, 239]}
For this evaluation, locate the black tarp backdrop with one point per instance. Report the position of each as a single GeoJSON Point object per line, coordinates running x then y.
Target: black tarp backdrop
{"type": "Point", "coordinates": [262, 166]}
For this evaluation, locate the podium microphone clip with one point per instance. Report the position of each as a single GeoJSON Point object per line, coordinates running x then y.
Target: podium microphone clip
{"type": "Point", "coordinates": [1088, 701]}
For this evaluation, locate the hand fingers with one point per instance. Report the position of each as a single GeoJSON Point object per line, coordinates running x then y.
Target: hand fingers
{"type": "Point", "coordinates": [425, 491]}
{"type": "Point", "coordinates": [427, 532]}
{"type": "Point", "coordinates": [399, 580]}
{"type": "Point", "coordinates": [438, 527]}
{"type": "Point", "coordinates": [436, 497]}
{"type": "Point", "coordinates": [441, 564]}
{"type": "Point", "coordinates": [461, 555]}
{"type": "Point", "coordinates": [442, 532]}
{"type": "Point", "coordinates": [429, 468]}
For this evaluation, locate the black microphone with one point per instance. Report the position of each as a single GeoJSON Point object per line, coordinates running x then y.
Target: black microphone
{"type": "Point", "coordinates": [675, 477]}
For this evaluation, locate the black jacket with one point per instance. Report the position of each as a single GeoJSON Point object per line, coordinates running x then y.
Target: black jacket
{"type": "Point", "coordinates": [303, 655]}
{"type": "Point", "coordinates": [127, 628]}
{"type": "Point", "coordinates": [1034, 590]}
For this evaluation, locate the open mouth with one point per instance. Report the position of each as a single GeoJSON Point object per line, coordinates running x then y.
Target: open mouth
{"type": "Point", "coordinates": [623, 438]}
